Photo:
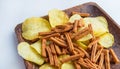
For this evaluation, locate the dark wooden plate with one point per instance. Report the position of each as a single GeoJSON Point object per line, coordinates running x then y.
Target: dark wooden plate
{"type": "Point", "coordinates": [94, 10]}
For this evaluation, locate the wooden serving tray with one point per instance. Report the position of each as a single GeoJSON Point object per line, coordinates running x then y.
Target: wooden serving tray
{"type": "Point", "coordinates": [94, 10]}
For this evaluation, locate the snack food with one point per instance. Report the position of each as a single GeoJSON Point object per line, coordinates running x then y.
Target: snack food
{"type": "Point", "coordinates": [85, 60]}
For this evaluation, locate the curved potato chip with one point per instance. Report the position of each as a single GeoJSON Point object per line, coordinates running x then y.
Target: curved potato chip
{"type": "Point", "coordinates": [74, 17]}
{"type": "Point", "coordinates": [68, 65]}
{"type": "Point", "coordinates": [98, 27]}
{"type": "Point", "coordinates": [82, 45]}
{"type": "Point", "coordinates": [106, 40]}
{"type": "Point", "coordinates": [47, 66]}
{"type": "Point", "coordinates": [86, 42]}
{"type": "Point", "coordinates": [85, 38]}
{"type": "Point", "coordinates": [29, 54]}
{"type": "Point", "coordinates": [57, 17]}
{"type": "Point", "coordinates": [30, 34]}
{"type": "Point", "coordinates": [32, 26]}
{"type": "Point", "coordinates": [37, 46]}
{"type": "Point", "coordinates": [103, 21]}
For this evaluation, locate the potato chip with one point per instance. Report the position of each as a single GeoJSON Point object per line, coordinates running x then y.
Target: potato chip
{"type": "Point", "coordinates": [85, 38]}
{"type": "Point", "coordinates": [74, 17]}
{"type": "Point", "coordinates": [47, 66]}
{"type": "Point", "coordinates": [97, 25]}
{"type": "Point", "coordinates": [81, 45]}
{"type": "Point", "coordinates": [67, 65]}
{"type": "Point", "coordinates": [32, 26]}
{"type": "Point", "coordinates": [103, 20]}
{"type": "Point", "coordinates": [29, 53]}
{"type": "Point", "coordinates": [106, 40]}
{"type": "Point", "coordinates": [37, 46]}
{"type": "Point", "coordinates": [86, 42]}
{"type": "Point", "coordinates": [57, 17]}
{"type": "Point", "coordinates": [30, 34]}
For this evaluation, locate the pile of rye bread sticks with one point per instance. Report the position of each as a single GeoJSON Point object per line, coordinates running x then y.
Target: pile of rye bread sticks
{"type": "Point", "coordinates": [61, 41]}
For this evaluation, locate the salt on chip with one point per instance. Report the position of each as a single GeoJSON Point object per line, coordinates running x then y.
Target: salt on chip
{"type": "Point", "coordinates": [57, 17]}
{"type": "Point", "coordinates": [32, 26]}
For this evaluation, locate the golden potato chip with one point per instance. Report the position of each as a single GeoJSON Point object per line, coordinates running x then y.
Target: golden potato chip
{"type": "Point", "coordinates": [37, 46]}
{"type": "Point", "coordinates": [85, 38]}
{"type": "Point", "coordinates": [103, 20]}
{"type": "Point", "coordinates": [74, 17]}
{"type": "Point", "coordinates": [57, 17]}
{"type": "Point", "coordinates": [86, 42]}
{"type": "Point", "coordinates": [30, 34]}
{"type": "Point", "coordinates": [106, 40]}
{"type": "Point", "coordinates": [47, 66]}
{"type": "Point", "coordinates": [81, 45]}
{"type": "Point", "coordinates": [29, 54]}
{"type": "Point", "coordinates": [97, 25]}
{"type": "Point", "coordinates": [32, 26]}
{"type": "Point", "coordinates": [67, 65]}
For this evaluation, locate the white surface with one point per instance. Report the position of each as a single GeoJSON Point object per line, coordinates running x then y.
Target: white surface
{"type": "Point", "coordinates": [13, 12]}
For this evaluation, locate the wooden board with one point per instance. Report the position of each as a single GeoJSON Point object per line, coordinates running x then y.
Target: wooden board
{"type": "Point", "coordinates": [94, 10]}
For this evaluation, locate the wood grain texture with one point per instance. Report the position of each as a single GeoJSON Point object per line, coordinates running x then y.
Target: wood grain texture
{"type": "Point", "coordinates": [94, 10]}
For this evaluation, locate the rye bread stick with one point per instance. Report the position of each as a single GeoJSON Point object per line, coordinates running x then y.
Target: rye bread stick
{"type": "Point", "coordinates": [91, 31]}
{"type": "Point", "coordinates": [69, 41]}
{"type": "Point", "coordinates": [62, 37]}
{"type": "Point", "coordinates": [107, 59]}
{"type": "Point", "coordinates": [77, 66]}
{"type": "Point", "coordinates": [63, 28]}
{"type": "Point", "coordinates": [56, 60]}
{"type": "Point", "coordinates": [51, 35]}
{"type": "Point", "coordinates": [98, 54]}
{"type": "Point", "coordinates": [93, 53]}
{"type": "Point", "coordinates": [101, 61]}
{"type": "Point", "coordinates": [73, 57]}
{"type": "Point", "coordinates": [50, 55]}
{"type": "Point", "coordinates": [58, 50]}
{"type": "Point", "coordinates": [90, 63]}
{"type": "Point", "coordinates": [82, 63]}
{"type": "Point", "coordinates": [79, 32]}
{"type": "Point", "coordinates": [79, 52]}
{"type": "Point", "coordinates": [52, 48]}
{"type": "Point", "coordinates": [81, 35]}
{"type": "Point", "coordinates": [114, 56]}
{"type": "Point", "coordinates": [75, 26]}
{"type": "Point", "coordinates": [45, 33]}
{"type": "Point", "coordinates": [58, 42]}
{"type": "Point", "coordinates": [84, 51]}
{"type": "Point", "coordinates": [81, 22]}
{"type": "Point", "coordinates": [61, 40]}
{"type": "Point", "coordinates": [44, 48]}
{"type": "Point", "coordinates": [81, 14]}
{"type": "Point", "coordinates": [93, 42]}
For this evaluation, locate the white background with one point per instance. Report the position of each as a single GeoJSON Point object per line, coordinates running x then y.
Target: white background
{"type": "Point", "coordinates": [13, 12]}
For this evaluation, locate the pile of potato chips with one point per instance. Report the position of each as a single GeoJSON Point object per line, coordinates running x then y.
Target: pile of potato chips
{"type": "Point", "coordinates": [32, 26]}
